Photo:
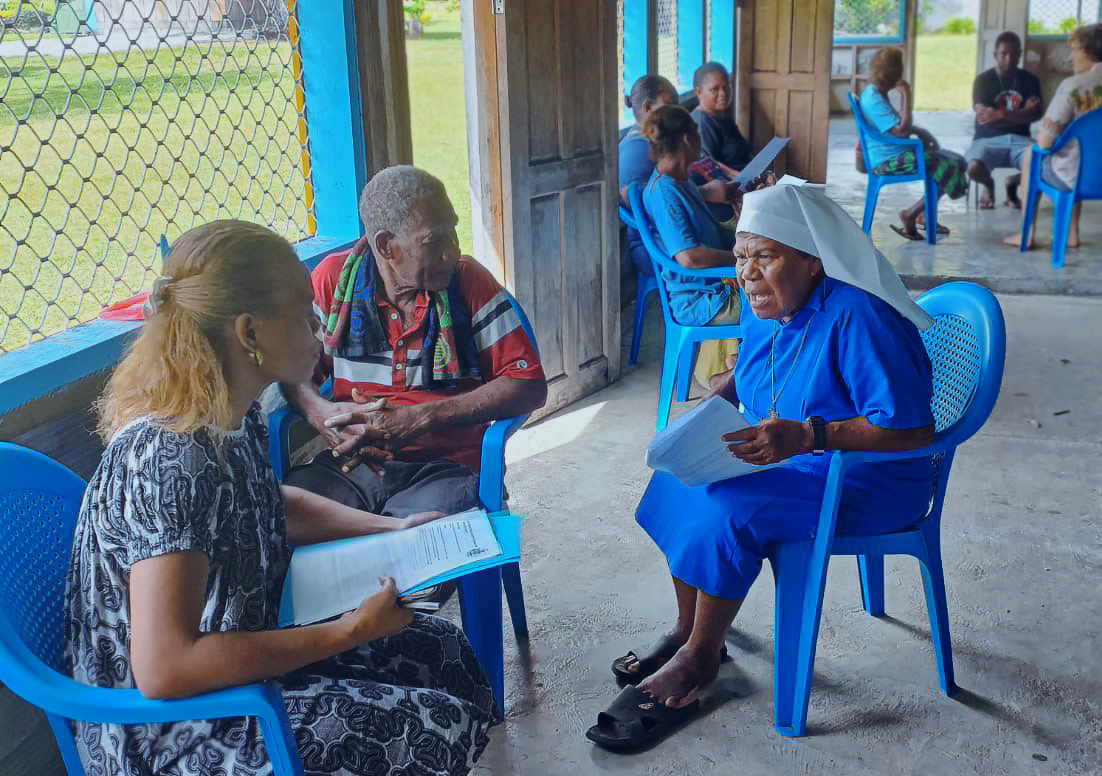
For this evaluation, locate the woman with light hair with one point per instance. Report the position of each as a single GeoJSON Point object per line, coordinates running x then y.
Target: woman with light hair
{"type": "Point", "coordinates": [182, 545]}
{"type": "Point", "coordinates": [948, 170]}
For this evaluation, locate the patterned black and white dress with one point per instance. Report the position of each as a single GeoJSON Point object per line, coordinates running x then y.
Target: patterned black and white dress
{"type": "Point", "coordinates": [414, 703]}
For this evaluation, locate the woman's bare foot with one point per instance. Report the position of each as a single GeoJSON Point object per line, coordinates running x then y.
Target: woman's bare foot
{"type": "Point", "coordinates": [987, 198]}
{"type": "Point", "coordinates": [910, 223]}
{"type": "Point", "coordinates": [1015, 241]}
{"type": "Point", "coordinates": [657, 656]}
{"type": "Point", "coordinates": [683, 677]}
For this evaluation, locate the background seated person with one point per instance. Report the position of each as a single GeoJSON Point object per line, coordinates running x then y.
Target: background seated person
{"type": "Point", "coordinates": [720, 136]}
{"type": "Point", "coordinates": [1077, 94]}
{"type": "Point", "coordinates": [689, 232]}
{"type": "Point", "coordinates": [829, 318]}
{"type": "Point", "coordinates": [636, 166]}
{"type": "Point", "coordinates": [1007, 99]}
{"type": "Point", "coordinates": [181, 548]}
{"type": "Point", "coordinates": [946, 168]}
{"type": "Point", "coordinates": [424, 350]}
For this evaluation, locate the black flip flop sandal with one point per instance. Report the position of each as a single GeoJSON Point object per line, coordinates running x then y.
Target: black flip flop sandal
{"type": "Point", "coordinates": [942, 230]}
{"type": "Point", "coordinates": [635, 721]}
{"type": "Point", "coordinates": [648, 665]}
{"type": "Point", "coordinates": [906, 235]}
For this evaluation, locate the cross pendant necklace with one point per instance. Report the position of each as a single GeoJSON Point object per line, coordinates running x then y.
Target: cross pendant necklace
{"type": "Point", "coordinates": [775, 394]}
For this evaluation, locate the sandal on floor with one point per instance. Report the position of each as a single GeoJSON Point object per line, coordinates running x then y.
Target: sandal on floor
{"type": "Point", "coordinates": [942, 230]}
{"type": "Point", "coordinates": [906, 235]}
{"type": "Point", "coordinates": [648, 664]}
{"type": "Point", "coordinates": [636, 721]}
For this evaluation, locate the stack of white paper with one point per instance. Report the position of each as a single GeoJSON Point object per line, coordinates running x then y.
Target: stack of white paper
{"type": "Point", "coordinates": [692, 447]}
{"type": "Point", "coordinates": [328, 579]}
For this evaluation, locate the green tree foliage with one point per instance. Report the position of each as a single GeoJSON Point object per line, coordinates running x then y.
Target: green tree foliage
{"type": "Point", "coordinates": [959, 25]}
{"type": "Point", "coordinates": [866, 17]}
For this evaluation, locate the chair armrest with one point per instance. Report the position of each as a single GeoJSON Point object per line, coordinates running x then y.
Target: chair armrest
{"type": "Point", "coordinates": [1040, 153]}
{"type": "Point", "coordinates": [843, 459]}
{"type": "Point", "coordinates": [59, 694]}
{"type": "Point", "coordinates": [491, 474]}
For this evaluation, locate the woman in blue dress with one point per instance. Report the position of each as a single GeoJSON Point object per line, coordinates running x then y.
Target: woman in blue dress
{"type": "Point", "coordinates": [181, 547]}
{"type": "Point", "coordinates": [831, 359]}
{"type": "Point", "coordinates": [689, 232]}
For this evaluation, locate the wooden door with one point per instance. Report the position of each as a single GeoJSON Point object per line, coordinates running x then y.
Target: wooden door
{"type": "Point", "coordinates": [783, 80]}
{"type": "Point", "coordinates": [541, 86]}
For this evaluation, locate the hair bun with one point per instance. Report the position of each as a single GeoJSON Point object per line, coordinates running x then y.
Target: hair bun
{"type": "Point", "coordinates": [627, 102]}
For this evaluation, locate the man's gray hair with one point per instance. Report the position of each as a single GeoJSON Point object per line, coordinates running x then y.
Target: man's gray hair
{"type": "Point", "coordinates": [389, 199]}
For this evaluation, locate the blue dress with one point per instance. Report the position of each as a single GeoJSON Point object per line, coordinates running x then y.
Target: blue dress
{"type": "Point", "coordinates": [683, 221]}
{"type": "Point", "coordinates": [860, 358]}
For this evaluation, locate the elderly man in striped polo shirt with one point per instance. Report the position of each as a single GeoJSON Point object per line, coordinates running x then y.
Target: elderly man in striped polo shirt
{"type": "Point", "coordinates": [423, 349]}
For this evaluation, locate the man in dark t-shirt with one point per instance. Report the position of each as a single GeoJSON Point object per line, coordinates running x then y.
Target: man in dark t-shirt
{"type": "Point", "coordinates": [1006, 100]}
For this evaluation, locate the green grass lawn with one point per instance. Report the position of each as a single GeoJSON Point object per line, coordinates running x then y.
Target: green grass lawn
{"type": "Point", "coordinates": [945, 66]}
{"type": "Point", "coordinates": [102, 155]}
{"type": "Point", "coordinates": [437, 112]}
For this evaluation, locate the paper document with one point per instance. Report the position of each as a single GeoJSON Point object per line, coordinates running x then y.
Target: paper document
{"type": "Point", "coordinates": [328, 579]}
{"type": "Point", "coordinates": [692, 447]}
{"type": "Point", "coordinates": [761, 162]}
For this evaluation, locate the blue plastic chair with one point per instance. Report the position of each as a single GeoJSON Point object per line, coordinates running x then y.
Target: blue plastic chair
{"type": "Point", "coordinates": [867, 132]}
{"type": "Point", "coordinates": [1087, 129]}
{"type": "Point", "coordinates": [39, 502]}
{"type": "Point", "coordinates": [645, 285]}
{"type": "Point", "coordinates": [967, 346]}
{"type": "Point", "coordinates": [681, 340]}
{"type": "Point", "coordinates": [479, 592]}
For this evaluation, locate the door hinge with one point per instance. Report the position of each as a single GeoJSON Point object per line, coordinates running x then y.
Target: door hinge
{"type": "Point", "coordinates": [498, 6]}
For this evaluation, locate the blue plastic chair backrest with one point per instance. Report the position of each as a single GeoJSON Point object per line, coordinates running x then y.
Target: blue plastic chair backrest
{"type": "Point", "coordinates": [1087, 129]}
{"type": "Point", "coordinates": [863, 128]}
{"type": "Point", "coordinates": [512, 424]}
{"type": "Point", "coordinates": [39, 503]}
{"type": "Point", "coordinates": [663, 261]}
{"type": "Point", "coordinates": [967, 348]}
{"type": "Point", "coordinates": [627, 219]}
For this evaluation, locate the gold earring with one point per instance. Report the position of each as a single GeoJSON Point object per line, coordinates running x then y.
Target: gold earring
{"type": "Point", "coordinates": [257, 357]}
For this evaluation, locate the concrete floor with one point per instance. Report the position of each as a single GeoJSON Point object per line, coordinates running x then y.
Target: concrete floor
{"type": "Point", "coordinates": [973, 250]}
{"type": "Point", "coordinates": [1023, 555]}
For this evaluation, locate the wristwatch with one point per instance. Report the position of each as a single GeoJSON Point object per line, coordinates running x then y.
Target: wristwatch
{"type": "Point", "coordinates": [818, 434]}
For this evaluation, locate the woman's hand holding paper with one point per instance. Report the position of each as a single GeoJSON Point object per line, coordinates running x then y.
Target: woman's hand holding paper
{"type": "Point", "coordinates": [769, 442]}
{"type": "Point", "coordinates": [379, 615]}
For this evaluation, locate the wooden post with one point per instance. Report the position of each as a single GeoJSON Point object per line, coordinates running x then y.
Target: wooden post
{"type": "Point", "coordinates": [384, 84]}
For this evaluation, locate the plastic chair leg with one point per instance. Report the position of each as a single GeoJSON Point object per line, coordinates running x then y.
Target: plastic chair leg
{"type": "Point", "coordinates": [63, 734]}
{"type": "Point", "coordinates": [685, 358]}
{"type": "Point", "coordinates": [1061, 223]}
{"type": "Point", "coordinates": [643, 286]}
{"type": "Point", "coordinates": [872, 193]}
{"type": "Point", "coordinates": [480, 603]}
{"type": "Point", "coordinates": [790, 563]}
{"type": "Point", "coordinates": [279, 739]}
{"type": "Point", "coordinates": [666, 384]}
{"type": "Point", "coordinates": [514, 596]}
{"type": "Point", "coordinates": [872, 583]}
{"type": "Point", "coordinates": [931, 197]}
{"type": "Point", "coordinates": [933, 581]}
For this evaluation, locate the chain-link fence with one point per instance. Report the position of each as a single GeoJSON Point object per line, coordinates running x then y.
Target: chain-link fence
{"type": "Point", "coordinates": [124, 120]}
{"type": "Point", "coordinates": [666, 20]}
{"type": "Point", "coordinates": [1059, 17]}
{"type": "Point", "coordinates": [875, 19]}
